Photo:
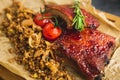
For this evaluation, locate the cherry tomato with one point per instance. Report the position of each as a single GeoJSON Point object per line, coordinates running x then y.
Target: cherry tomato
{"type": "Point", "coordinates": [50, 32]}
{"type": "Point", "coordinates": [40, 19]}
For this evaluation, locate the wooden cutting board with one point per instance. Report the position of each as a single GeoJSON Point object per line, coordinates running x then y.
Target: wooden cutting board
{"type": "Point", "coordinates": [113, 18]}
{"type": "Point", "coordinates": [7, 75]}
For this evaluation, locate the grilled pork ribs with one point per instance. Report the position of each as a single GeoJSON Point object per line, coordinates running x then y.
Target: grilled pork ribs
{"type": "Point", "coordinates": [66, 12]}
{"type": "Point", "coordinates": [90, 48]}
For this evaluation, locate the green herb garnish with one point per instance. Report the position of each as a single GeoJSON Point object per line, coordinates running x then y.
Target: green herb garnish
{"type": "Point", "coordinates": [78, 20]}
{"type": "Point", "coordinates": [56, 21]}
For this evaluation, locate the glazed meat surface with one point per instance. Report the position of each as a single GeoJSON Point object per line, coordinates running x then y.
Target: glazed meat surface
{"type": "Point", "coordinates": [90, 49]}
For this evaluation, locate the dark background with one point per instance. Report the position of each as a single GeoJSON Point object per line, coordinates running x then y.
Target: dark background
{"type": "Point", "coordinates": [110, 6]}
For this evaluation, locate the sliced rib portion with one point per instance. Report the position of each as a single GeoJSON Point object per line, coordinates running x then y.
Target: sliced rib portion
{"type": "Point", "coordinates": [90, 49]}
{"type": "Point", "coordinates": [66, 12]}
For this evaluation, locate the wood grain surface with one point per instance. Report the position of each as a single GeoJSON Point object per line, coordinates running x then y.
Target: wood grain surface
{"type": "Point", "coordinates": [114, 18]}
{"type": "Point", "coordinates": [7, 75]}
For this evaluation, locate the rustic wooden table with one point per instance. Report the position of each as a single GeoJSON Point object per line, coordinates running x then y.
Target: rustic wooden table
{"type": "Point", "coordinates": [7, 75]}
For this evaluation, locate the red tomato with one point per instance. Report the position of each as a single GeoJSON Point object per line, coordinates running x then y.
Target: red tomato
{"type": "Point", "coordinates": [40, 19]}
{"type": "Point", "coordinates": [50, 32]}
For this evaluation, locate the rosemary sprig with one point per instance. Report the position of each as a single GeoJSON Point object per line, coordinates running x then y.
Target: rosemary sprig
{"type": "Point", "coordinates": [78, 20]}
{"type": "Point", "coordinates": [56, 21]}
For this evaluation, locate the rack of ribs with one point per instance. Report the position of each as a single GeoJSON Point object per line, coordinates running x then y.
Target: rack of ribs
{"type": "Point", "coordinates": [90, 49]}
{"type": "Point", "coordinates": [66, 12]}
